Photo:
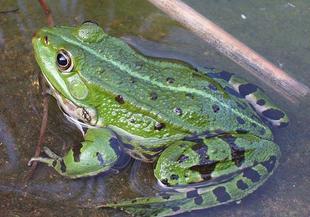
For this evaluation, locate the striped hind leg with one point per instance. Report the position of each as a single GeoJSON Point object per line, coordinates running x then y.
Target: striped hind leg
{"type": "Point", "coordinates": [227, 169]}
{"type": "Point", "coordinates": [253, 94]}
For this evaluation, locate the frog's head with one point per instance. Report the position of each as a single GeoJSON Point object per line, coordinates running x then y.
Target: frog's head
{"type": "Point", "coordinates": [61, 61]}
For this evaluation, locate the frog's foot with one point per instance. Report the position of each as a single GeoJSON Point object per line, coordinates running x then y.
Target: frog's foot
{"type": "Point", "coordinates": [254, 95]}
{"type": "Point", "coordinates": [51, 160]}
{"type": "Point", "coordinates": [98, 153]}
{"type": "Point", "coordinates": [224, 169]}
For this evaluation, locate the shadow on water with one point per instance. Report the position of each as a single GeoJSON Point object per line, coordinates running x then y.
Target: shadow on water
{"type": "Point", "coordinates": [276, 29]}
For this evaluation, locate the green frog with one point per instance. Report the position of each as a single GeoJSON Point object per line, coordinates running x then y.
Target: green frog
{"type": "Point", "coordinates": [206, 131]}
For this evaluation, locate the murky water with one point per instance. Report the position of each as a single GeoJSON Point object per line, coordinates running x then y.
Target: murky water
{"type": "Point", "coordinates": [279, 30]}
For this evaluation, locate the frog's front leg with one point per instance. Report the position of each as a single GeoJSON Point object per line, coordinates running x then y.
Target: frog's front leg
{"type": "Point", "coordinates": [99, 151]}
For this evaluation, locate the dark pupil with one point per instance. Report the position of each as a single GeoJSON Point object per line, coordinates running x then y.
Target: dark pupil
{"type": "Point", "coordinates": [61, 60]}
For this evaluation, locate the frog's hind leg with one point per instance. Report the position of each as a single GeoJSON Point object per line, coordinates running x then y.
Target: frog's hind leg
{"type": "Point", "coordinates": [253, 94]}
{"type": "Point", "coordinates": [225, 169]}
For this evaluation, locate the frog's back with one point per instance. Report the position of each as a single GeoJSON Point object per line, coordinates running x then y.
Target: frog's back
{"type": "Point", "coordinates": [174, 92]}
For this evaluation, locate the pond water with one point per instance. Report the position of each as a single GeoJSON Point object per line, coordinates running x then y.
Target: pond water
{"type": "Point", "coordinates": [278, 29]}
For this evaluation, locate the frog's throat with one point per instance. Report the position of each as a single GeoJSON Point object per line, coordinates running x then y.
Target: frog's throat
{"type": "Point", "coordinates": [82, 117]}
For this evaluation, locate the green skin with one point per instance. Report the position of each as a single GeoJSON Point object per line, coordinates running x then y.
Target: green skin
{"type": "Point", "coordinates": [196, 124]}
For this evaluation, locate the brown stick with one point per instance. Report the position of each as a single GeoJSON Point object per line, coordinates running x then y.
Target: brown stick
{"type": "Point", "coordinates": [47, 11]}
{"type": "Point", "coordinates": [43, 127]}
{"type": "Point", "coordinates": [233, 48]}
{"type": "Point", "coordinates": [43, 88]}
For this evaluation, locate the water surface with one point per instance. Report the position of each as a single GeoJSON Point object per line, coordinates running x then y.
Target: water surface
{"type": "Point", "coordinates": [279, 30]}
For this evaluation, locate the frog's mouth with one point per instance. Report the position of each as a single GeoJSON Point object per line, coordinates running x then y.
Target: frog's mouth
{"type": "Point", "coordinates": [82, 117]}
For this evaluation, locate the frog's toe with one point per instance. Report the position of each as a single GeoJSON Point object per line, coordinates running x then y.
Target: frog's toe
{"type": "Point", "coordinates": [260, 102]}
{"type": "Point", "coordinates": [268, 110]}
{"type": "Point", "coordinates": [48, 161]}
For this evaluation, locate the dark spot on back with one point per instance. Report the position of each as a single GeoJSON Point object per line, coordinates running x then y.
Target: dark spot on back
{"type": "Point", "coordinates": [76, 149]}
{"type": "Point", "coordinates": [241, 131]}
{"type": "Point", "coordinates": [215, 108]}
{"type": "Point", "coordinates": [100, 158]}
{"type": "Point", "coordinates": [273, 114]}
{"type": "Point", "coordinates": [242, 185]}
{"type": "Point", "coordinates": [254, 125]}
{"type": "Point", "coordinates": [159, 126]}
{"type": "Point", "coordinates": [246, 89]}
{"type": "Point", "coordinates": [178, 111]}
{"type": "Point", "coordinates": [198, 200]}
{"type": "Point", "coordinates": [170, 80]}
{"type": "Point", "coordinates": [269, 164]}
{"type": "Point", "coordinates": [261, 102]}
{"type": "Point", "coordinates": [251, 174]}
{"type": "Point", "coordinates": [221, 194]}
{"type": "Point", "coordinates": [240, 120]}
{"type": "Point", "coordinates": [63, 167]}
{"type": "Point", "coordinates": [153, 96]}
{"type": "Point", "coordinates": [119, 99]}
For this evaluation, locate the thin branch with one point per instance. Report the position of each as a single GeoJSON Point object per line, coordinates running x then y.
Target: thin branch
{"type": "Point", "coordinates": [231, 47]}
{"type": "Point", "coordinates": [43, 126]}
{"type": "Point", "coordinates": [48, 13]}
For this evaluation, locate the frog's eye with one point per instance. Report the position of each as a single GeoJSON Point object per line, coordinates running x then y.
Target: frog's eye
{"type": "Point", "coordinates": [64, 61]}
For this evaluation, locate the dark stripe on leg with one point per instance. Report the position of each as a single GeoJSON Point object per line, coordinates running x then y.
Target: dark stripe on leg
{"type": "Point", "coordinates": [251, 174]}
{"type": "Point", "coordinates": [269, 164]}
{"type": "Point", "coordinates": [221, 194]}
{"type": "Point", "coordinates": [242, 185]}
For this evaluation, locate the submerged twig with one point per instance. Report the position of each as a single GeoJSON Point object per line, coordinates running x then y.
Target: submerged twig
{"type": "Point", "coordinates": [231, 47]}
{"type": "Point", "coordinates": [43, 88]}
{"type": "Point", "coordinates": [43, 126]}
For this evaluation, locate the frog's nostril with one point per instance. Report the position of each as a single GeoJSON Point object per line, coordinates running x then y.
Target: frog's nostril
{"type": "Point", "coordinates": [45, 39]}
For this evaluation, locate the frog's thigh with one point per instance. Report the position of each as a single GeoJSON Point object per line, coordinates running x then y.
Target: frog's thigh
{"type": "Point", "coordinates": [253, 94]}
{"type": "Point", "coordinates": [97, 153]}
{"type": "Point", "coordinates": [196, 161]}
